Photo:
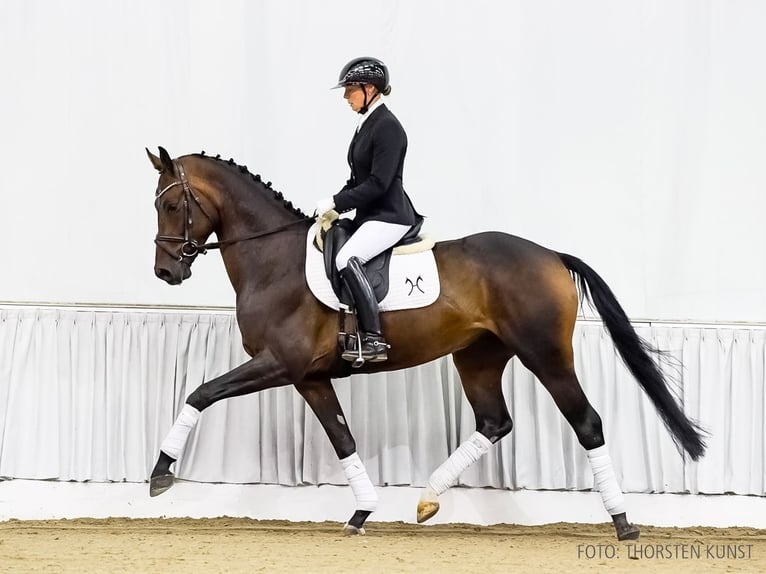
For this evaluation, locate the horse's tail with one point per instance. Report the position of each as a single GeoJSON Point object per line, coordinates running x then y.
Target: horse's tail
{"type": "Point", "coordinates": [636, 353]}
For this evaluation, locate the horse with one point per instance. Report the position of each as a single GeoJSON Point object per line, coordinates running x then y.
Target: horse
{"type": "Point", "coordinates": [501, 296]}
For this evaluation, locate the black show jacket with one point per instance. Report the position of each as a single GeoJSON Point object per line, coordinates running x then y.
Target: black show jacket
{"type": "Point", "coordinates": [376, 157]}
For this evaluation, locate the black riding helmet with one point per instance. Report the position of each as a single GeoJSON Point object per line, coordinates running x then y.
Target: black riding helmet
{"type": "Point", "coordinates": [365, 70]}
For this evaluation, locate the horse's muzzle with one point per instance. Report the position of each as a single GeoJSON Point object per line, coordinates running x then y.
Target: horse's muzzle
{"type": "Point", "coordinates": [173, 278]}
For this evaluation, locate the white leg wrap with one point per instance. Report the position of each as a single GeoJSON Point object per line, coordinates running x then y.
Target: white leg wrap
{"type": "Point", "coordinates": [174, 443]}
{"type": "Point", "coordinates": [466, 454]}
{"type": "Point", "coordinates": [605, 481]}
{"type": "Point", "coordinates": [361, 485]}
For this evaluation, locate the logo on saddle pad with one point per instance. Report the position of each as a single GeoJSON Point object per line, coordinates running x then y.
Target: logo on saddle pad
{"type": "Point", "coordinates": [400, 281]}
{"type": "Point", "coordinates": [415, 285]}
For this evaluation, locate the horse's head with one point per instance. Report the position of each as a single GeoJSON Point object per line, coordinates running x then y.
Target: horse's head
{"type": "Point", "coordinates": [183, 222]}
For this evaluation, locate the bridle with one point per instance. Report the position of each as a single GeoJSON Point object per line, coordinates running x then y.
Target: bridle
{"type": "Point", "coordinates": [189, 246]}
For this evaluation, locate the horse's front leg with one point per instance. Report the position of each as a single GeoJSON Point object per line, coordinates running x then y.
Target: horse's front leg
{"type": "Point", "coordinates": [321, 397]}
{"type": "Point", "coordinates": [261, 372]}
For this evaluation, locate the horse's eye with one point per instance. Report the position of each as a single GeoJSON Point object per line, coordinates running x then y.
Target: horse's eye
{"type": "Point", "coordinates": [171, 207]}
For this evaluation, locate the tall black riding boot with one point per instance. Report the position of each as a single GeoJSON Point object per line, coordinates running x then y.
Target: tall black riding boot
{"type": "Point", "coordinates": [374, 347]}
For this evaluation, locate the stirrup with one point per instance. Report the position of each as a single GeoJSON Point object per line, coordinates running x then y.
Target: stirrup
{"type": "Point", "coordinates": [363, 349]}
{"type": "Point", "coordinates": [353, 351]}
{"type": "Point", "coordinates": [359, 359]}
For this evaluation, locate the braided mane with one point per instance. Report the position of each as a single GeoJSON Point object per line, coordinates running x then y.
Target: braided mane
{"type": "Point", "coordinates": [277, 195]}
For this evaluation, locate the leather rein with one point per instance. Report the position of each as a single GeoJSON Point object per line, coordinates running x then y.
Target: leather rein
{"type": "Point", "coordinates": [189, 247]}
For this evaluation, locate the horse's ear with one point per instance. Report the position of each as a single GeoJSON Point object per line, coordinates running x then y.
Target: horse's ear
{"type": "Point", "coordinates": [166, 161]}
{"type": "Point", "coordinates": [162, 163]}
{"type": "Point", "coordinates": [156, 162]}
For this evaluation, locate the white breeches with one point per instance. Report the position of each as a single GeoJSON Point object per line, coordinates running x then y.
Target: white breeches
{"type": "Point", "coordinates": [371, 239]}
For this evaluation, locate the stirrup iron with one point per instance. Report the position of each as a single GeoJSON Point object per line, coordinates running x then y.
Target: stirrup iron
{"type": "Point", "coordinates": [359, 361]}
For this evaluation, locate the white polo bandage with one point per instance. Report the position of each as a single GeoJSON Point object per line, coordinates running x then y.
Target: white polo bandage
{"type": "Point", "coordinates": [174, 443]}
{"type": "Point", "coordinates": [466, 454]}
{"type": "Point", "coordinates": [604, 480]}
{"type": "Point", "coordinates": [360, 483]}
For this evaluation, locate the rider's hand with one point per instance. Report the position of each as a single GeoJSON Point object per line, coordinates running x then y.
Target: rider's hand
{"type": "Point", "coordinates": [325, 205]}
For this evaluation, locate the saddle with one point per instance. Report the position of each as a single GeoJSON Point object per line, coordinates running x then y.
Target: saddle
{"type": "Point", "coordinates": [331, 238]}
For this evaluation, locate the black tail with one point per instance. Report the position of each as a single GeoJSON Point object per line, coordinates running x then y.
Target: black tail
{"type": "Point", "coordinates": [636, 353]}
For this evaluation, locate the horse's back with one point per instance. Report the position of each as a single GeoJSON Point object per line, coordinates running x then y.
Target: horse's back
{"type": "Point", "coordinates": [495, 247]}
{"type": "Point", "coordinates": [506, 277]}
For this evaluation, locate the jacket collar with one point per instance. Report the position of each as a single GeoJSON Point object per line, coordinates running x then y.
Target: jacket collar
{"type": "Point", "coordinates": [371, 112]}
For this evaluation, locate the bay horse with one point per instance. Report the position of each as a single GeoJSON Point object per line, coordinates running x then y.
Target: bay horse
{"type": "Point", "coordinates": [500, 296]}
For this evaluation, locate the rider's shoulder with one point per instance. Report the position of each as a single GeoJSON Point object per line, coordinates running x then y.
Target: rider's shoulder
{"type": "Point", "coordinates": [386, 120]}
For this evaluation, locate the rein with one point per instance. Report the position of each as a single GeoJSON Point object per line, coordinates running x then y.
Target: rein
{"type": "Point", "coordinates": [189, 247]}
{"type": "Point", "coordinates": [219, 244]}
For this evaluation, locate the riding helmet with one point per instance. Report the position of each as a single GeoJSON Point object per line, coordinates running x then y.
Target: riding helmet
{"type": "Point", "coordinates": [365, 70]}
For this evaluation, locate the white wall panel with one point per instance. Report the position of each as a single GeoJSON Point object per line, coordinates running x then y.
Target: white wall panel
{"type": "Point", "coordinates": [627, 133]}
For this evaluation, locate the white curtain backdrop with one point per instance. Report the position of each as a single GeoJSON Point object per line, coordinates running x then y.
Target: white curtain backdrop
{"type": "Point", "coordinates": [88, 395]}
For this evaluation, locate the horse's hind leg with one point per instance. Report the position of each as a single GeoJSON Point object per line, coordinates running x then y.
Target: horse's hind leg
{"type": "Point", "coordinates": [321, 397]}
{"type": "Point", "coordinates": [554, 366]}
{"type": "Point", "coordinates": [480, 367]}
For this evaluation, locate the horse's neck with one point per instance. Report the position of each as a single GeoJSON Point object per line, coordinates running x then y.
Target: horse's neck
{"type": "Point", "coordinates": [258, 264]}
{"type": "Point", "coordinates": [267, 269]}
{"type": "Point", "coordinates": [249, 211]}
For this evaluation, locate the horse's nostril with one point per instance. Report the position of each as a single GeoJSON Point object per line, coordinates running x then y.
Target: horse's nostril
{"type": "Point", "coordinates": [162, 273]}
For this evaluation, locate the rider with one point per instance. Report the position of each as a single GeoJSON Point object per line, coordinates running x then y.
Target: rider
{"type": "Point", "coordinates": [384, 212]}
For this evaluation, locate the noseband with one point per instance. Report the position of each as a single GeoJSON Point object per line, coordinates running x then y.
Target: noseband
{"type": "Point", "coordinates": [189, 247]}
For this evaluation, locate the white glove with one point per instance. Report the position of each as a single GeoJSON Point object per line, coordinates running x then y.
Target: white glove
{"type": "Point", "coordinates": [325, 205]}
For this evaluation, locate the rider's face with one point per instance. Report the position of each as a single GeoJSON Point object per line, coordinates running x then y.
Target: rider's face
{"type": "Point", "coordinates": [355, 96]}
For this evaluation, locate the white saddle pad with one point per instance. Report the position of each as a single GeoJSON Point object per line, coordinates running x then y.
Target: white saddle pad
{"type": "Point", "coordinates": [413, 279]}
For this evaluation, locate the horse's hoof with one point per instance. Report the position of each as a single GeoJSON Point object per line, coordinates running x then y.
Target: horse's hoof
{"type": "Point", "coordinates": [630, 533]}
{"type": "Point", "coordinates": [625, 530]}
{"type": "Point", "coordinates": [349, 530]}
{"type": "Point", "coordinates": [427, 509]}
{"type": "Point", "coordinates": [159, 484]}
